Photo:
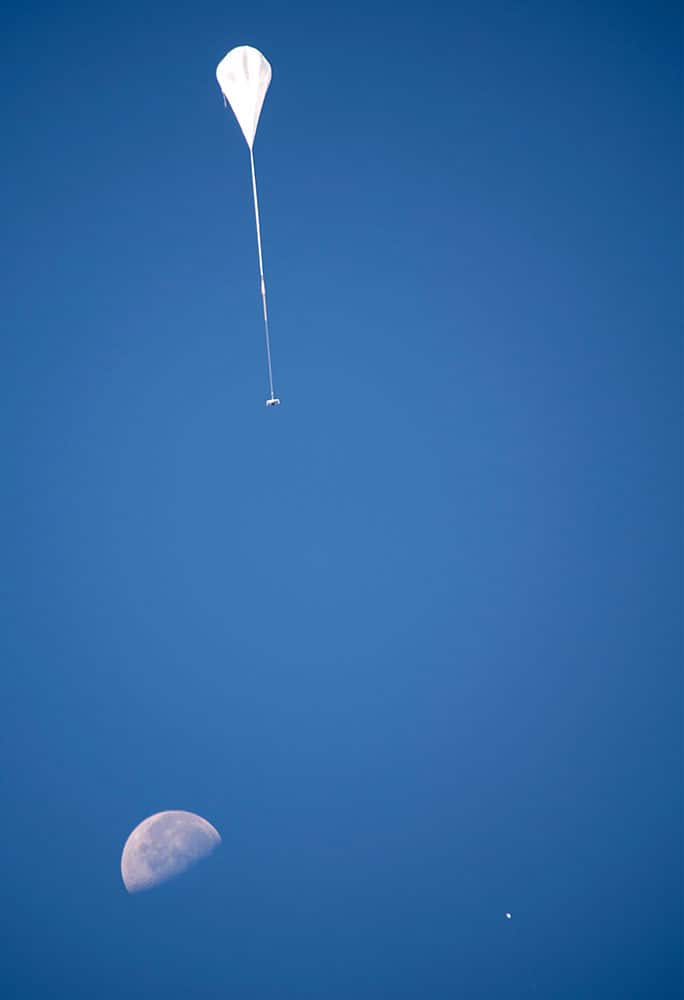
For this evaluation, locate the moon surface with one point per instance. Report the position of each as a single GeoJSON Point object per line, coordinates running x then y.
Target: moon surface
{"type": "Point", "coordinates": [165, 845]}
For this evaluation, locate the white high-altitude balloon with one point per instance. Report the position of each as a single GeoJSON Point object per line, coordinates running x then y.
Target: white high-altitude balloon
{"type": "Point", "coordinates": [165, 845]}
{"type": "Point", "coordinates": [244, 76]}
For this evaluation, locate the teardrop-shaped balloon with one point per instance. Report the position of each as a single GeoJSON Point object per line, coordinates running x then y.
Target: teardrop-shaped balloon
{"type": "Point", "coordinates": [243, 76]}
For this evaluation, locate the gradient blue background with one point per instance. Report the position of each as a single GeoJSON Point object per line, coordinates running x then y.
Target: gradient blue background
{"type": "Point", "coordinates": [411, 641]}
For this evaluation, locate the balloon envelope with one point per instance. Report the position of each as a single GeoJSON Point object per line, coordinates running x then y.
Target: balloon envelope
{"type": "Point", "coordinates": [244, 76]}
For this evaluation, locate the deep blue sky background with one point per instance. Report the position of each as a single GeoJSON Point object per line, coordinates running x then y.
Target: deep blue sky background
{"type": "Point", "coordinates": [410, 641]}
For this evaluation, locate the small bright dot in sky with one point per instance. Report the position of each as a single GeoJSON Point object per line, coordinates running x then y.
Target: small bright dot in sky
{"type": "Point", "coordinates": [508, 916]}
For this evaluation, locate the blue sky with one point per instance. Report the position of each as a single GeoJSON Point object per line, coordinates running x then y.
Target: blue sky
{"type": "Point", "coordinates": [411, 641]}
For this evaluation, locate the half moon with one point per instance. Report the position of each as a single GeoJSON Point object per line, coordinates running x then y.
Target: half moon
{"type": "Point", "coordinates": [165, 845]}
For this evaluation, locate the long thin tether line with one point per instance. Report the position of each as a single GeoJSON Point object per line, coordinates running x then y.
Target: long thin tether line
{"type": "Point", "coordinates": [261, 273]}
